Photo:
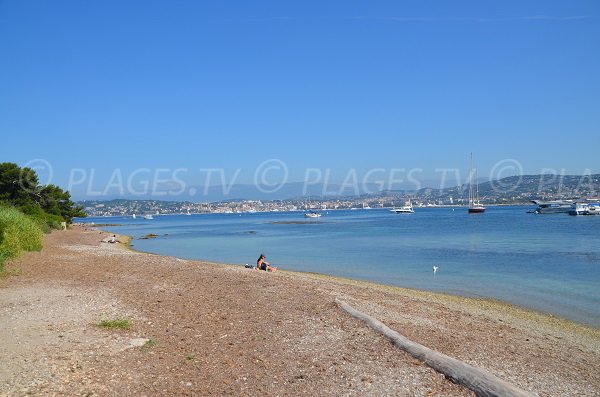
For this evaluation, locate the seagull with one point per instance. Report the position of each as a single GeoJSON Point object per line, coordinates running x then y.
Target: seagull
{"type": "Point", "coordinates": [435, 268]}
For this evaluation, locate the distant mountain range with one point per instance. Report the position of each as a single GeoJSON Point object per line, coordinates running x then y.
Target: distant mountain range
{"type": "Point", "coordinates": [512, 189]}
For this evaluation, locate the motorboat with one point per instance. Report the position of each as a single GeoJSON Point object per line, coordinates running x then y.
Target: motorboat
{"type": "Point", "coordinates": [312, 214]}
{"type": "Point", "coordinates": [585, 208]}
{"type": "Point", "coordinates": [149, 216]}
{"type": "Point", "coordinates": [407, 208]}
{"type": "Point", "coordinates": [553, 207]}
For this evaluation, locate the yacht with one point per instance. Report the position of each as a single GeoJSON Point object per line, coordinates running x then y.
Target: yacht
{"type": "Point", "coordinates": [585, 208]}
{"type": "Point", "coordinates": [552, 207]}
{"type": "Point", "coordinates": [407, 208]}
{"type": "Point", "coordinates": [149, 216]}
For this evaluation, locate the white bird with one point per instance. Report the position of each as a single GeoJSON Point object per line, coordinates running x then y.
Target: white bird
{"type": "Point", "coordinates": [435, 268]}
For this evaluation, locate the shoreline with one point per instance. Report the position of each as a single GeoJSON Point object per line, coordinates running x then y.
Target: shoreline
{"type": "Point", "coordinates": [497, 306]}
{"type": "Point", "coordinates": [491, 307]}
{"type": "Point", "coordinates": [492, 303]}
{"type": "Point", "coordinates": [208, 328]}
{"type": "Point", "coordinates": [475, 304]}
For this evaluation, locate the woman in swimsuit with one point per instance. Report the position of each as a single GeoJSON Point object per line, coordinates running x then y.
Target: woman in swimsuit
{"type": "Point", "coordinates": [261, 264]}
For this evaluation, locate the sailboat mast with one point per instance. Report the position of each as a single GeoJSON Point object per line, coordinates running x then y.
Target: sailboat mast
{"type": "Point", "coordinates": [476, 198]}
{"type": "Point", "coordinates": [471, 182]}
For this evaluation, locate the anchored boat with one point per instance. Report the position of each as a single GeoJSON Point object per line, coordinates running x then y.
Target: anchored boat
{"type": "Point", "coordinates": [585, 208]}
{"type": "Point", "coordinates": [475, 206]}
{"type": "Point", "coordinates": [407, 208]}
{"type": "Point", "coordinates": [553, 207]}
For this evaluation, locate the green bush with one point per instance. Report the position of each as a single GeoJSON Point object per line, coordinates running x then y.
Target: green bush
{"type": "Point", "coordinates": [45, 221]}
{"type": "Point", "coordinates": [18, 233]}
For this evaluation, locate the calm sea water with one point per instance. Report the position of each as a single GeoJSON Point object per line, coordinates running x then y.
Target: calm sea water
{"type": "Point", "coordinates": [545, 262]}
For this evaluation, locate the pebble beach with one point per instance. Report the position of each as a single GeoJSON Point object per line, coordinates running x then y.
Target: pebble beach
{"type": "Point", "coordinates": [199, 328]}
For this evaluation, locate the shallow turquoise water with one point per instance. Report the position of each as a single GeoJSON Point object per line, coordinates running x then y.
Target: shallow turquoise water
{"type": "Point", "coordinates": [546, 262]}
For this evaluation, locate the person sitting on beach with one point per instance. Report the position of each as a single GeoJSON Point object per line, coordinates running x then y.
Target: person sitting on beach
{"type": "Point", "coordinates": [261, 264]}
{"type": "Point", "coordinates": [113, 239]}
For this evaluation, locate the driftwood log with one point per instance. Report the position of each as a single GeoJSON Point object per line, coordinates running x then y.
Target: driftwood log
{"type": "Point", "coordinates": [479, 381]}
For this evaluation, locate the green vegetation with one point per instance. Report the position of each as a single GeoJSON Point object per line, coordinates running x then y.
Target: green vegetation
{"type": "Point", "coordinates": [27, 209]}
{"type": "Point", "coordinates": [120, 323]}
{"type": "Point", "coordinates": [18, 233]}
{"type": "Point", "coordinates": [19, 187]}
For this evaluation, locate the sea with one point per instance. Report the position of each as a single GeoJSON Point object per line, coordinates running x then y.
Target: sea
{"type": "Point", "coordinates": [545, 262]}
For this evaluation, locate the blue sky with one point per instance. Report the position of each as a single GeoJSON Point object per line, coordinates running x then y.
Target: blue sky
{"type": "Point", "coordinates": [333, 85]}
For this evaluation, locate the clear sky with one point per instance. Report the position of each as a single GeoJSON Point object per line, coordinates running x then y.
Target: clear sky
{"type": "Point", "coordinates": [321, 85]}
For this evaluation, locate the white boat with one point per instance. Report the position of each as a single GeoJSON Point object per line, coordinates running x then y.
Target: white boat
{"type": "Point", "coordinates": [553, 207]}
{"type": "Point", "coordinates": [585, 208]}
{"type": "Point", "coordinates": [148, 216]}
{"type": "Point", "coordinates": [133, 216]}
{"type": "Point", "coordinates": [475, 206]}
{"type": "Point", "coordinates": [312, 214]}
{"type": "Point", "coordinates": [407, 208]}
{"type": "Point", "coordinates": [188, 212]}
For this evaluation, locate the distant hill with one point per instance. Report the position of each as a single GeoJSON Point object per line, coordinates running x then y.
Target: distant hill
{"type": "Point", "coordinates": [523, 188]}
{"type": "Point", "coordinates": [511, 189]}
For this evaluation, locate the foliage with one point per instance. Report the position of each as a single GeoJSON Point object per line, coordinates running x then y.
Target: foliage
{"type": "Point", "coordinates": [48, 205]}
{"type": "Point", "coordinates": [44, 220]}
{"type": "Point", "coordinates": [17, 184]}
{"type": "Point", "coordinates": [18, 233]}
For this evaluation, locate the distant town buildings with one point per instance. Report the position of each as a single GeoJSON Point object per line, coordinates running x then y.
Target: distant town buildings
{"type": "Point", "coordinates": [511, 190]}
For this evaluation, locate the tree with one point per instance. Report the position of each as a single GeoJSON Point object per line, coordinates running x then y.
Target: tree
{"type": "Point", "coordinates": [56, 201]}
{"type": "Point", "coordinates": [20, 188]}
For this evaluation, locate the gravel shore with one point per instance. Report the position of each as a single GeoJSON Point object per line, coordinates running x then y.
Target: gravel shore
{"type": "Point", "coordinates": [205, 329]}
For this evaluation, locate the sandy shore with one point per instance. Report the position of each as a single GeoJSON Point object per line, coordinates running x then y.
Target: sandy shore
{"type": "Point", "coordinates": [213, 329]}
